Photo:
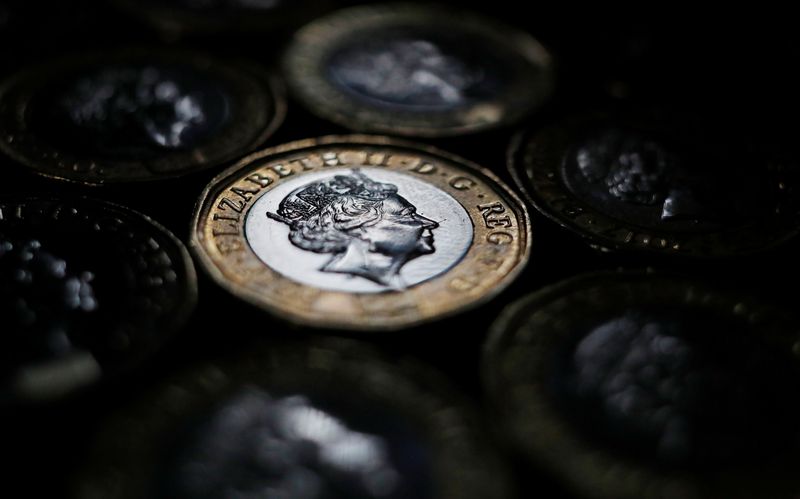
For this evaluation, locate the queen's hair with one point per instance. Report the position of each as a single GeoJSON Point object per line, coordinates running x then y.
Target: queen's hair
{"type": "Point", "coordinates": [323, 216]}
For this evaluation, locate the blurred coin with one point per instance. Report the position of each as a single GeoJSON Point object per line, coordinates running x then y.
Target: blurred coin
{"type": "Point", "coordinates": [89, 289]}
{"type": "Point", "coordinates": [135, 115]}
{"type": "Point", "coordinates": [360, 232]}
{"type": "Point", "coordinates": [321, 421]}
{"type": "Point", "coordinates": [417, 70]}
{"type": "Point", "coordinates": [644, 386]}
{"type": "Point", "coordinates": [647, 183]}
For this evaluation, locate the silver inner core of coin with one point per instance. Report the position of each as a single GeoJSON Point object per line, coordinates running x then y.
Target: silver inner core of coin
{"type": "Point", "coordinates": [288, 447]}
{"type": "Point", "coordinates": [406, 71]}
{"type": "Point", "coordinates": [360, 230]}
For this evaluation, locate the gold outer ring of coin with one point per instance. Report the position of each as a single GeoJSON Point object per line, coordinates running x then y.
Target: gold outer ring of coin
{"type": "Point", "coordinates": [499, 249]}
{"type": "Point", "coordinates": [313, 43]}
{"type": "Point", "coordinates": [263, 106]}
{"type": "Point", "coordinates": [464, 463]}
{"type": "Point", "coordinates": [515, 366]}
{"type": "Point", "coordinates": [534, 161]}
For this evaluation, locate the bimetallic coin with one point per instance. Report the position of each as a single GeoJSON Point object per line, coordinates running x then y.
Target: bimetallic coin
{"type": "Point", "coordinates": [417, 70]}
{"type": "Point", "coordinates": [321, 421]}
{"type": "Point", "coordinates": [635, 385]}
{"type": "Point", "coordinates": [360, 232]}
{"type": "Point", "coordinates": [89, 289]}
{"type": "Point", "coordinates": [135, 115]}
{"type": "Point", "coordinates": [634, 183]}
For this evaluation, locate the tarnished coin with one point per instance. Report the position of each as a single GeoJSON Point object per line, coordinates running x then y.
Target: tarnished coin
{"type": "Point", "coordinates": [135, 115]}
{"type": "Point", "coordinates": [645, 386]}
{"type": "Point", "coordinates": [312, 422]}
{"type": "Point", "coordinates": [88, 289]}
{"type": "Point", "coordinates": [417, 70]}
{"type": "Point", "coordinates": [630, 182]}
{"type": "Point", "coordinates": [231, 16]}
{"type": "Point", "coordinates": [360, 232]}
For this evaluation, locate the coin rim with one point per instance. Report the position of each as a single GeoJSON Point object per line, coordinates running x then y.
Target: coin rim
{"type": "Point", "coordinates": [301, 63]}
{"type": "Point", "coordinates": [33, 76]}
{"type": "Point", "coordinates": [197, 241]}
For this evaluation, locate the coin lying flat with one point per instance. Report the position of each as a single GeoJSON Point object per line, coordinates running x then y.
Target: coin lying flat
{"type": "Point", "coordinates": [319, 421]}
{"type": "Point", "coordinates": [635, 385]}
{"type": "Point", "coordinates": [644, 183]}
{"type": "Point", "coordinates": [135, 115]}
{"type": "Point", "coordinates": [89, 289]}
{"type": "Point", "coordinates": [360, 232]}
{"type": "Point", "coordinates": [417, 70]}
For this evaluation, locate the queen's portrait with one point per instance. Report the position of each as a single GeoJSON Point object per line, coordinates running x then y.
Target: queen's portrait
{"type": "Point", "coordinates": [368, 228]}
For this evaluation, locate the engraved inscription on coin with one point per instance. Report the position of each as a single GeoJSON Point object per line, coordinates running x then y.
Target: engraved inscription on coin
{"type": "Point", "coordinates": [672, 383]}
{"type": "Point", "coordinates": [359, 232]}
{"type": "Point", "coordinates": [135, 115]}
{"type": "Point", "coordinates": [350, 427]}
{"type": "Point", "coordinates": [89, 289]}
{"type": "Point", "coordinates": [404, 69]}
{"type": "Point", "coordinates": [628, 184]}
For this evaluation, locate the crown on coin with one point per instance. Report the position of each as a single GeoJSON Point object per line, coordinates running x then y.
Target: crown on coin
{"type": "Point", "coordinates": [305, 202]}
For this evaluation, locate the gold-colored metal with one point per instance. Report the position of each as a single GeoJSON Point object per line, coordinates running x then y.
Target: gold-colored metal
{"type": "Point", "coordinates": [512, 55]}
{"type": "Point", "coordinates": [496, 254]}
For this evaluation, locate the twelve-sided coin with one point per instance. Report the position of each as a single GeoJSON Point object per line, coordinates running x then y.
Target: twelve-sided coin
{"type": "Point", "coordinates": [635, 385]}
{"type": "Point", "coordinates": [417, 70]}
{"type": "Point", "coordinates": [360, 232]}
{"type": "Point", "coordinates": [657, 183]}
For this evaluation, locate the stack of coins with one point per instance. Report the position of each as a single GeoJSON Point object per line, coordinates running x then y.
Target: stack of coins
{"type": "Point", "coordinates": [307, 250]}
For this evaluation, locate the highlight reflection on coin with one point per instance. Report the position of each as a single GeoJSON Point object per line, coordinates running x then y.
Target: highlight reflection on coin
{"type": "Point", "coordinates": [417, 70]}
{"type": "Point", "coordinates": [360, 232]}
{"type": "Point", "coordinates": [627, 182]}
{"type": "Point", "coordinates": [325, 421]}
{"type": "Point", "coordinates": [636, 385]}
{"type": "Point", "coordinates": [135, 115]}
{"type": "Point", "coordinates": [89, 289]}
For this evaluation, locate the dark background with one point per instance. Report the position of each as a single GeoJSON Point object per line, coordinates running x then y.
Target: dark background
{"type": "Point", "coordinates": [734, 69]}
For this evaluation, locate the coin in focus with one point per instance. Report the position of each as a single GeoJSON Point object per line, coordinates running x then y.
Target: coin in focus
{"type": "Point", "coordinates": [635, 385]}
{"type": "Point", "coordinates": [417, 70]}
{"type": "Point", "coordinates": [359, 232]}
{"type": "Point", "coordinates": [317, 421]}
{"type": "Point", "coordinates": [89, 290]}
{"type": "Point", "coordinates": [135, 115]}
{"type": "Point", "coordinates": [635, 181]}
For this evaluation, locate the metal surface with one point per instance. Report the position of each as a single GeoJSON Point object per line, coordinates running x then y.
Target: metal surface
{"type": "Point", "coordinates": [117, 102]}
{"type": "Point", "coordinates": [341, 232]}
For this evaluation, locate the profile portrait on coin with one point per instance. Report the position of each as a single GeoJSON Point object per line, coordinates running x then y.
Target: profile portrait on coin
{"type": "Point", "coordinates": [370, 229]}
{"type": "Point", "coordinates": [635, 169]}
